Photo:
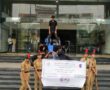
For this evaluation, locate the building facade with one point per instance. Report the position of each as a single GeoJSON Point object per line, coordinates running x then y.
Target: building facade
{"type": "Point", "coordinates": [86, 22]}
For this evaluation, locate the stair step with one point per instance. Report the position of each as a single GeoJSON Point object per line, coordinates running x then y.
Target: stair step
{"type": "Point", "coordinates": [18, 59]}
{"type": "Point", "coordinates": [102, 88]}
{"type": "Point", "coordinates": [11, 87]}
{"type": "Point", "coordinates": [10, 79]}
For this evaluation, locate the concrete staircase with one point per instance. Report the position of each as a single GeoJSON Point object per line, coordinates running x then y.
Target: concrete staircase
{"type": "Point", "coordinates": [11, 59]}
{"type": "Point", "coordinates": [10, 79]}
{"type": "Point", "coordinates": [104, 80]}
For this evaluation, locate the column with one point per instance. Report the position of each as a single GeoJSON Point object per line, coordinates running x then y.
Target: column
{"type": "Point", "coordinates": [0, 21]}
{"type": "Point", "coordinates": [57, 8]}
{"type": "Point", "coordinates": [107, 39]}
{"type": "Point", "coordinates": [107, 11]}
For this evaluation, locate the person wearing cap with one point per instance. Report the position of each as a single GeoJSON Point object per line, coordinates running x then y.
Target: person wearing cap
{"type": "Point", "coordinates": [52, 28]}
{"type": "Point", "coordinates": [42, 50]}
{"type": "Point", "coordinates": [92, 72]}
{"type": "Point", "coordinates": [37, 73]}
{"type": "Point", "coordinates": [25, 73]}
{"type": "Point", "coordinates": [85, 58]}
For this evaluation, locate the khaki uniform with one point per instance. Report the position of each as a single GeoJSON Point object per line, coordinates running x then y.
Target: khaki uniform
{"type": "Point", "coordinates": [37, 74]}
{"type": "Point", "coordinates": [90, 72]}
{"type": "Point", "coordinates": [25, 75]}
{"type": "Point", "coordinates": [87, 71]}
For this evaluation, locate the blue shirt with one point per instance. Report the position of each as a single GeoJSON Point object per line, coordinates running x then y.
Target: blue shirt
{"type": "Point", "coordinates": [50, 48]}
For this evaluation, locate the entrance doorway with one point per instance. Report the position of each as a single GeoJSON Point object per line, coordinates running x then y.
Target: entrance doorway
{"type": "Point", "coordinates": [67, 37]}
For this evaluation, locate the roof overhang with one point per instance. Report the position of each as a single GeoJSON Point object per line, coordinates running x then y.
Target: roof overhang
{"type": "Point", "coordinates": [63, 2]}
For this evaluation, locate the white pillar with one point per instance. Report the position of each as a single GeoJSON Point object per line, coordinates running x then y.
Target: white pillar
{"type": "Point", "coordinates": [107, 39]}
{"type": "Point", "coordinates": [0, 37]}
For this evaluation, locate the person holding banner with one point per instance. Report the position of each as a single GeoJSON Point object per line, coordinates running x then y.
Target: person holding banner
{"type": "Point", "coordinates": [37, 74]}
{"type": "Point", "coordinates": [92, 72]}
{"type": "Point", "coordinates": [25, 74]}
{"type": "Point", "coordinates": [85, 58]}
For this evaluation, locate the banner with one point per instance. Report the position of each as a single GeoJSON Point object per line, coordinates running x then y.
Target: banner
{"type": "Point", "coordinates": [63, 73]}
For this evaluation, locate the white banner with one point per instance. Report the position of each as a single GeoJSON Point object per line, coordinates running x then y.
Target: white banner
{"type": "Point", "coordinates": [63, 73]}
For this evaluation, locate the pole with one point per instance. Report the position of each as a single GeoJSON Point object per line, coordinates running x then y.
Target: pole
{"type": "Point", "coordinates": [0, 24]}
{"type": "Point", "coordinates": [28, 36]}
{"type": "Point", "coordinates": [57, 8]}
{"type": "Point", "coordinates": [1, 11]}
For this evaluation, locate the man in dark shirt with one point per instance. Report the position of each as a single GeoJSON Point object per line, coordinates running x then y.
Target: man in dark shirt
{"type": "Point", "coordinates": [52, 28]}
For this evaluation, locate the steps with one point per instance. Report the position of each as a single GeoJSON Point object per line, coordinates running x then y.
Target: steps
{"type": "Point", "coordinates": [11, 59]}
{"type": "Point", "coordinates": [103, 60]}
{"type": "Point", "coordinates": [10, 79]}
{"type": "Point", "coordinates": [19, 59]}
{"type": "Point", "coordinates": [100, 60]}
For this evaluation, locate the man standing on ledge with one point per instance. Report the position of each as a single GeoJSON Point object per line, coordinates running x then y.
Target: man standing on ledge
{"type": "Point", "coordinates": [52, 28]}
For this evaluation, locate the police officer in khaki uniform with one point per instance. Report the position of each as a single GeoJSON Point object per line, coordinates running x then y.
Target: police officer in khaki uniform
{"type": "Point", "coordinates": [88, 71]}
{"type": "Point", "coordinates": [92, 71]}
{"type": "Point", "coordinates": [37, 74]}
{"type": "Point", "coordinates": [85, 58]}
{"type": "Point", "coordinates": [25, 73]}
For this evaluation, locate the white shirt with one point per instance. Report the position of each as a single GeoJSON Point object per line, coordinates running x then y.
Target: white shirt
{"type": "Point", "coordinates": [10, 41]}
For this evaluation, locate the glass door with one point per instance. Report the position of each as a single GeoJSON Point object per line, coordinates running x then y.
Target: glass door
{"type": "Point", "coordinates": [28, 37]}
{"type": "Point", "coordinates": [25, 36]}
{"type": "Point", "coordinates": [86, 37]}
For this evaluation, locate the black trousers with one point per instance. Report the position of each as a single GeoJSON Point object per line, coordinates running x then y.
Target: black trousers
{"type": "Point", "coordinates": [51, 35]}
{"type": "Point", "coordinates": [10, 47]}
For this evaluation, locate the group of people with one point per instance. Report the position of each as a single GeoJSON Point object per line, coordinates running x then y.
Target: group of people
{"type": "Point", "coordinates": [25, 73]}
{"type": "Point", "coordinates": [57, 52]}
{"type": "Point", "coordinates": [91, 70]}
{"type": "Point", "coordinates": [37, 64]}
{"type": "Point", "coordinates": [43, 52]}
